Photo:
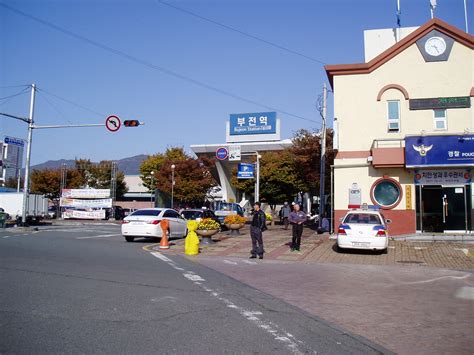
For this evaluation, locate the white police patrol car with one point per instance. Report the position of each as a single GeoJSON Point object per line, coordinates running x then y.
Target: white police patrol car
{"type": "Point", "coordinates": [363, 228]}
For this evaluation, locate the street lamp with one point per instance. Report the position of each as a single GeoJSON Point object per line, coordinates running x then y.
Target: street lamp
{"type": "Point", "coordinates": [152, 177]}
{"type": "Point", "coordinates": [172, 184]}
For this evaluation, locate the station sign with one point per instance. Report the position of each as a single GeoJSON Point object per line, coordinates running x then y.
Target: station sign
{"type": "Point", "coordinates": [253, 123]}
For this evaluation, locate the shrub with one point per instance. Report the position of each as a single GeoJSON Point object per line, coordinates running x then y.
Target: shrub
{"type": "Point", "coordinates": [234, 219]}
{"type": "Point", "coordinates": [208, 223]}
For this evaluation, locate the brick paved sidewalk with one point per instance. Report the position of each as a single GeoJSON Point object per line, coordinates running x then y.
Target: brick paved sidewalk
{"type": "Point", "coordinates": [317, 248]}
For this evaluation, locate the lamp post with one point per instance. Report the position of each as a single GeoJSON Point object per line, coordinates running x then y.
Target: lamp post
{"type": "Point", "coordinates": [152, 177]}
{"type": "Point", "coordinates": [172, 184]}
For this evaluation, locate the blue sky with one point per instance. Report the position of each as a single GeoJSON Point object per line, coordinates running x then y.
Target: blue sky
{"type": "Point", "coordinates": [177, 112]}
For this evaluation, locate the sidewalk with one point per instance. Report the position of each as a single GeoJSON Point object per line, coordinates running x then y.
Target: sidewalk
{"type": "Point", "coordinates": [317, 248]}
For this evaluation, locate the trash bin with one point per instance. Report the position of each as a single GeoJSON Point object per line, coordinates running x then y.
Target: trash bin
{"type": "Point", "coordinates": [3, 219]}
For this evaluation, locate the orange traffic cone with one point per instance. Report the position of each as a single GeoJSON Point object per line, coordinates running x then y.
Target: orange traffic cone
{"type": "Point", "coordinates": [164, 239]}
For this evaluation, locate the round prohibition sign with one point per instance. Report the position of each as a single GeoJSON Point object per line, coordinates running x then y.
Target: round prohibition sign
{"type": "Point", "coordinates": [222, 153]}
{"type": "Point", "coordinates": [113, 123]}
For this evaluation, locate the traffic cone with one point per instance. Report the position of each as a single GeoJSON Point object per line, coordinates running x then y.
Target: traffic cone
{"type": "Point", "coordinates": [164, 239]}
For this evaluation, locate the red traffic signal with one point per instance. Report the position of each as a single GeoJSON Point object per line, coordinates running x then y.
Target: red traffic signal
{"type": "Point", "coordinates": [131, 123]}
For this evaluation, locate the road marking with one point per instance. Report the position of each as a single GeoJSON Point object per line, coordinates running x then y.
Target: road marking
{"type": "Point", "coordinates": [437, 279]}
{"type": "Point", "coordinates": [249, 262]}
{"type": "Point", "coordinates": [100, 236]}
{"type": "Point", "coordinates": [230, 262]}
{"type": "Point", "coordinates": [464, 250]}
{"type": "Point", "coordinates": [279, 335]}
{"type": "Point", "coordinates": [466, 293]}
{"type": "Point", "coordinates": [7, 236]}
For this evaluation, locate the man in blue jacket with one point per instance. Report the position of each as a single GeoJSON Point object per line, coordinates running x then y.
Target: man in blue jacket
{"type": "Point", "coordinates": [297, 218]}
{"type": "Point", "coordinates": [259, 224]}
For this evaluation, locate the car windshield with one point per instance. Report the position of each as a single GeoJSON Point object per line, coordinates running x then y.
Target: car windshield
{"type": "Point", "coordinates": [146, 213]}
{"type": "Point", "coordinates": [362, 218]}
{"type": "Point", "coordinates": [227, 206]}
{"type": "Point", "coordinates": [191, 214]}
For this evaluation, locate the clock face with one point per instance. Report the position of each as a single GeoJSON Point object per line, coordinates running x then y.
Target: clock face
{"type": "Point", "coordinates": [435, 46]}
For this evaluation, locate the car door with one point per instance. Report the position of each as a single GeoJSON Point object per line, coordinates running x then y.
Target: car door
{"type": "Point", "coordinates": [176, 223]}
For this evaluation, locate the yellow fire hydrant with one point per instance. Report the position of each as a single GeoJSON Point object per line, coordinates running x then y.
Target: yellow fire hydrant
{"type": "Point", "coordinates": [191, 244]}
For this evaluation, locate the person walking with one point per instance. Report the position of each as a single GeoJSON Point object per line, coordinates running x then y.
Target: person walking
{"type": "Point", "coordinates": [259, 225]}
{"type": "Point", "coordinates": [285, 212]}
{"type": "Point", "coordinates": [297, 218]}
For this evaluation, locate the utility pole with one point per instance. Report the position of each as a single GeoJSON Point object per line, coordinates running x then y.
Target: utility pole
{"type": "Point", "coordinates": [322, 165]}
{"type": "Point", "coordinates": [26, 184]}
{"type": "Point", "coordinates": [257, 182]}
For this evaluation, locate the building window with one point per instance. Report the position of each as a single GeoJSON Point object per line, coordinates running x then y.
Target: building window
{"type": "Point", "coordinates": [393, 108]}
{"type": "Point", "coordinates": [386, 193]}
{"type": "Point", "coordinates": [440, 121]}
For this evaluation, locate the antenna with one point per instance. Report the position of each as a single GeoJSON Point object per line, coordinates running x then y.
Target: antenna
{"type": "Point", "coordinates": [433, 5]}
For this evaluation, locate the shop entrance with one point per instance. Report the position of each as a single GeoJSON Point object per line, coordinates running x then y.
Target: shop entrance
{"type": "Point", "coordinates": [443, 208]}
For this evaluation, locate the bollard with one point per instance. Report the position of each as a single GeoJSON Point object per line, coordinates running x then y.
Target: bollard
{"type": "Point", "coordinates": [191, 244]}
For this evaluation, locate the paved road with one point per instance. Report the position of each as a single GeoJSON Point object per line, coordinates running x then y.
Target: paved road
{"type": "Point", "coordinates": [84, 290]}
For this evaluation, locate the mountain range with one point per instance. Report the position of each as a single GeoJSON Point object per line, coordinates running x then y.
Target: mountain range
{"type": "Point", "coordinates": [129, 166]}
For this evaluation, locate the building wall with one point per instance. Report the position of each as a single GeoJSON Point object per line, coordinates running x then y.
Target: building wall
{"type": "Point", "coordinates": [361, 115]}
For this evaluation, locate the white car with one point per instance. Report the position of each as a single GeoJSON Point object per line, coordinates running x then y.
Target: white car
{"type": "Point", "coordinates": [145, 223]}
{"type": "Point", "coordinates": [363, 229]}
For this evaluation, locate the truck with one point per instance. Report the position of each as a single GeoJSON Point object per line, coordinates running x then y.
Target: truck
{"type": "Point", "coordinates": [12, 203]}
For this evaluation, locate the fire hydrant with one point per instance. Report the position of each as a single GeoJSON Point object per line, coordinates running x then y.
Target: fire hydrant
{"type": "Point", "coordinates": [191, 244]}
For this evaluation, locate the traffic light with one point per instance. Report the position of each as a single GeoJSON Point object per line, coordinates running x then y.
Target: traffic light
{"type": "Point", "coordinates": [131, 123]}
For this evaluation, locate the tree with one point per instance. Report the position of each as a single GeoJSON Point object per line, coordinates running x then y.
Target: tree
{"type": "Point", "coordinates": [48, 182]}
{"type": "Point", "coordinates": [192, 177]}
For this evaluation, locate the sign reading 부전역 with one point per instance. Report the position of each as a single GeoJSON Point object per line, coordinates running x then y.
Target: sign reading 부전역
{"type": "Point", "coordinates": [253, 123]}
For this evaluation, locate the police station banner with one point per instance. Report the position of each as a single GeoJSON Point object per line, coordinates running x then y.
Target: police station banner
{"type": "Point", "coordinates": [443, 177]}
{"type": "Point", "coordinates": [86, 193]}
{"type": "Point", "coordinates": [84, 204]}
{"type": "Point", "coordinates": [98, 214]}
{"type": "Point", "coordinates": [437, 151]}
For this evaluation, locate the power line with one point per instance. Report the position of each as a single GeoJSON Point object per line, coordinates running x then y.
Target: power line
{"type": "Point", "coordinates": [14, 86]}
{"type": "Point", "coordinates": [71, 102]}
{"type": "Point", "coordinates": [51, 104]}
{"type": "Point", "coordinates": [151, 65]}
{"type": "Point", "coordinates": [12, 96]}
{"type": "Point", "coordinates": [246, 34]}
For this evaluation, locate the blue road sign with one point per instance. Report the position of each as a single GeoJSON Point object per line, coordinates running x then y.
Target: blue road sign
{"type": "Point", "coordinates": [252, 123]}
{"type": "Point", "coordinates": [222, 153]}
{"type": "Point", "coordinates": [245, 171]}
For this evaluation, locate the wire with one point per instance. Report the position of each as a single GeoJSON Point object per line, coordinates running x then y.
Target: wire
{"type": "Point", "coordinates": [14, 86]}
{"type": "Point", "coordinates": [53, 106]}
{"type": "Point", "coordinates": [151, 65]}
{"type": "Point", "coordinates": [241, 32]}
{"type": "Point", "coordinates": [12, 96]}
{"type": "Point", "coordinates": [71, 102]}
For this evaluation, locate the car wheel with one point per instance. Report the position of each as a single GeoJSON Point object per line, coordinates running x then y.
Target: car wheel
{"type": "Point", "coordinates": [338, 248]}
{"type": "Point", "coordinates": [129, 238]}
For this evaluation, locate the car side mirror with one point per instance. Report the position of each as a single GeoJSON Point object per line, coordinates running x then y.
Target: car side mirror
{"type": "Point", "coordinates": [388, 221]}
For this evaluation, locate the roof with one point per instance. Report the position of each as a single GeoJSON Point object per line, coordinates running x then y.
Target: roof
{"type": "Point", "coordinates": [366, 68]}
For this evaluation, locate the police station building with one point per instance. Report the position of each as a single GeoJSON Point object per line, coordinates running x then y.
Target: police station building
{"type": "Point", "coordinates": [404, 129]}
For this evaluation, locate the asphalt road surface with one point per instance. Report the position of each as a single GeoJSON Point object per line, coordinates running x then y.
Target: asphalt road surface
{"type": "Point", "coordinates": [83, 289]}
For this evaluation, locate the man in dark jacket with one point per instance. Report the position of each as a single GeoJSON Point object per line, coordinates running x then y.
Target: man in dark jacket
{"type": "Point", "coordinates": [259, 224]}
{"type": "Point", "coordinates": [297, 218]}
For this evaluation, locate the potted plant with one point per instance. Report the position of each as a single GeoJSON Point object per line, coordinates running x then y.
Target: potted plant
{"type": "Point", "coordinates": [268, 218]}
{"type": "Point", "coordinates": [206, 228]}
{"type": "Point", "coordinates": [234, 222]}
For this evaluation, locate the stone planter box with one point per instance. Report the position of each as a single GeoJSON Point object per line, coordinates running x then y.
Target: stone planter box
{"type": "Point", "coordinates": [234, 228]}
{"type": "Point", "coordinates": [206, 235]}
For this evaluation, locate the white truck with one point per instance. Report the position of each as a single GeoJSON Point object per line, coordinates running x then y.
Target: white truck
{"type": "Point", "coordinates": [12, 203]}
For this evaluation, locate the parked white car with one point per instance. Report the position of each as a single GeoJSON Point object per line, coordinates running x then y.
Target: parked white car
{"type": "Point", "coordinates": [145, 223]}
{"type": "Point", "coordinates": [363, 229]}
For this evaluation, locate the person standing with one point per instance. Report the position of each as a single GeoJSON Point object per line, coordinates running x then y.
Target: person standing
{"type": "Point", "coordinates": [297, 218]}
{"type": "Point", "coordinates": [259, 225]}
{"type": "Point", "coordinates": [285, 212]}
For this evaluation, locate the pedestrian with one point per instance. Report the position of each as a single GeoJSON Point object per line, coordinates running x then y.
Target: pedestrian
{"type": "Point", "coordinates": [259, 225]}
{"type": "Point", "coordinates": [285, 212]}
{"type": "Point", "coordinates": [297, 218]}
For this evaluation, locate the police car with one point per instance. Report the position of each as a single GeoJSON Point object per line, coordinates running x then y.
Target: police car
{"type": "Point", "coordinates": [363, 228]}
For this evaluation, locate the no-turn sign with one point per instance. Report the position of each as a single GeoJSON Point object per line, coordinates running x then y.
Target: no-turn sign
{"type": "Point", "coordinates": [113, 123]}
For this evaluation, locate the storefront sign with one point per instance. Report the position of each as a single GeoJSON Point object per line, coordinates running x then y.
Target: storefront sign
{"type": "Point", "coordinates": [440, 103]}
{"type": "Point", "coordinates": [437, 151]}
{"type": "Point", "coordinates": [95, 203]}
{"type": "Point", "coordinates": [253, 123]}
{"type": "Point", "coordinates": [98, 214]}
{"type": "Point", "coordinates": [86, 193]}
{"type": "Point", "coordinates": [443, 177]}
{"type": "Point", "coordinates": [408, 197]}
{"type": "Point", "coordinates": [245, 171]}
